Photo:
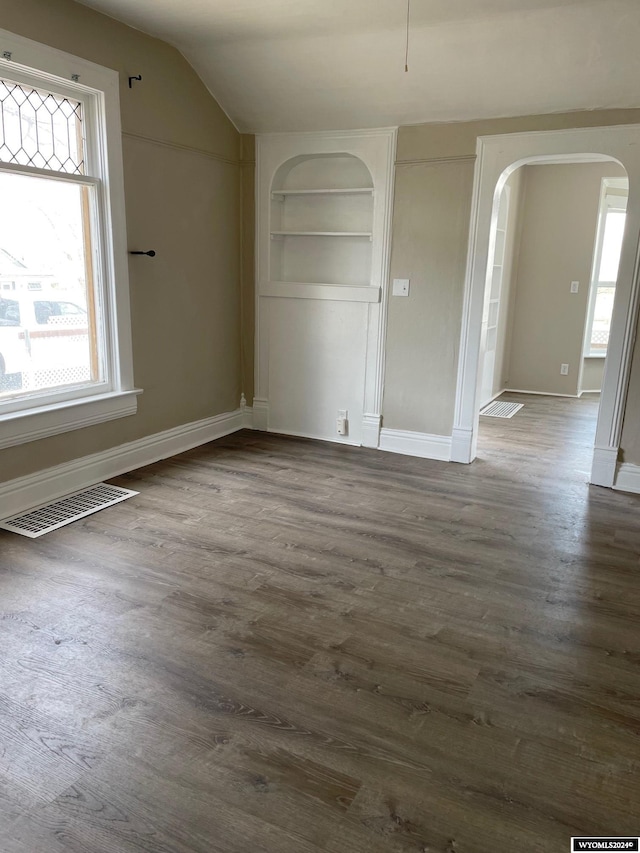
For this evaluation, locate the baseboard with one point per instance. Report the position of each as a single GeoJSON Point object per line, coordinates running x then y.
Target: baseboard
{"type": "Point", "coordinates": [247, 417]}
{"type": "Point", "coordinates": [603, 468]}
{"type": "Point", "coordinates": [539, 393]}
{"type": "Point", "coordinates": [371, 430]}
{"type": "Point", "coordinates": [315, 437]}
{"type": "Point", "coordinates": [628, 478]}
{"type": "Point", "coordinates": [462, 449]}
{"type": "Point", "coordinates": [495, 397]}
{"type": "Point", "coordinates": [43, 486]}
{"type": "Point", "coordinates": [416, 444]}
{"type": "Point", "coordinates": [260, 414]}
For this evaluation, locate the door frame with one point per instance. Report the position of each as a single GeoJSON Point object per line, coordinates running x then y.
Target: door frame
{"type": "Point", "coordinates": [497, 158]}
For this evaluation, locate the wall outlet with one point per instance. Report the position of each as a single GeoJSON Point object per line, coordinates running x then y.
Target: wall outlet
{"type": "Point", "coordinates": [564, 369]}
{"type": "Point", "coordinates": [400, 287]}
{"type": "Point", "coordinates": [342, 422]}
{"type": "Point", "coordinates": [575, 286]}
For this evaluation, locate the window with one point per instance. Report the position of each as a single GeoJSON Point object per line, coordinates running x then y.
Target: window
{"type": "Point", "coordinates": [65, 341]}
{"type": "Point", "coordinates": [611, 224]}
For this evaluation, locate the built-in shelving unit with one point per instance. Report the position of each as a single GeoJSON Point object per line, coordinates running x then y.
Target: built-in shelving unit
{"type": "Point", "coordinates": [323, 210]}
{"type": "Point", "coordinates": [321, 229]}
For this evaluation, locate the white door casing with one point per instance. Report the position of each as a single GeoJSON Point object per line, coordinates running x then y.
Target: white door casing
{"type": "Point", "coordinates": [497, 158]}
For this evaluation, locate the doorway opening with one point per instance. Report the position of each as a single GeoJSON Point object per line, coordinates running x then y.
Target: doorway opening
{"type": "Point", "coordinates": [499, 157]}
{"type": "Point", "coordinates": [548, 302]}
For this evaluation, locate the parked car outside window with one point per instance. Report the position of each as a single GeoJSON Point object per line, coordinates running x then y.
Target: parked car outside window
{"type": "Point", "coordinates": [43, 341]}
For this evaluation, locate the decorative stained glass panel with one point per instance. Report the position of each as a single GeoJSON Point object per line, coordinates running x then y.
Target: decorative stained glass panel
{"type": "Point", "coordinates": [40, 129]}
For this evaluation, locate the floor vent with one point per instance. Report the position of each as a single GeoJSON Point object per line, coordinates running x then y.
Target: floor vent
{"type": "Point", "coordinates": [43, 520]}
{"type": "Point", "coordinates": [501, 409]}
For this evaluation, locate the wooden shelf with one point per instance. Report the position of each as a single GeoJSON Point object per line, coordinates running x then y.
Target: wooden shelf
{"type": "Point", "coordinates": [345, 191]}
{"type": "Point", "coordinates": [367, 234]}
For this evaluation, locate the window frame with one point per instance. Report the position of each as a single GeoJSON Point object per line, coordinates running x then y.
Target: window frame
{"type": "Point", "coordinates": [53, 412]}
{"type": "Point", "coordinates": [611, 188]}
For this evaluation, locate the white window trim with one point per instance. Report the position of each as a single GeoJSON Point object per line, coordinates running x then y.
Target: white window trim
{"type": "Point", "coordinates": [611, 187]}
{"type": "Point", "coordinates": [58, 413]}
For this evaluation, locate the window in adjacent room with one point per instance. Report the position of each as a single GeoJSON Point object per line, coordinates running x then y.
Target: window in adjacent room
{"type": "Point", "coordinates": [612, 218]}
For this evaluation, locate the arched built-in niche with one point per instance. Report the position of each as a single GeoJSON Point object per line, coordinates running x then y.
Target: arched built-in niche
{"type": "Point", "coordinates": [322, 238]}
{"type": "Point", "coordinates": [321, 221]}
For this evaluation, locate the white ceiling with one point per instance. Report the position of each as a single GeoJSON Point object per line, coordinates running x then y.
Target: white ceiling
{"type": "Point", "coordinates": [277, 65]}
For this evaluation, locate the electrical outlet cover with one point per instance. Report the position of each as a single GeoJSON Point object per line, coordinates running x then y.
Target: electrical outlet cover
{"type": "Point", "coordinates": [400, 287]}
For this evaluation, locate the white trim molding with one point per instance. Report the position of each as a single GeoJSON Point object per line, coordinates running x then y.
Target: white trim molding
{"type": "Point", "coordinates": [498, 157]}
{"type": "Point", "coordinates": [462, 447]}
{"type": "Point", "coordinates": [371, 430]}
{"type": "Point", "coordinates": [333, 292]}
{"type": "Point", "coordinates": [40, 488]}
{"type": "Point", "coordinates": [247, 417]}
{"type": "Point", "coordinates": [260, 414]}
{"type": "Point", "coordinates": [538, 393]}
{"type": "Point", "coordinates": [419, 444]}
{"type": "Point", "coordinates": [603, 469]}
{"type": "Point", "coordinates": [628, 478]}
{"type": "Point", "coordinates": [30, 425]}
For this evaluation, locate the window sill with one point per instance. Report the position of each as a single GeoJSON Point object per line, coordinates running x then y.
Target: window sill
{"type": "Point", "coordinates": [599, 355]}
{"type": "Point", "coordinates": [22, 427]}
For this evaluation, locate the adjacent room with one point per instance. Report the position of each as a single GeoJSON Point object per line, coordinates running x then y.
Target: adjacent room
{"type": "Point", "coordinates": [273, 577]}
{"type": "Point", "coordinates": [549, 299]}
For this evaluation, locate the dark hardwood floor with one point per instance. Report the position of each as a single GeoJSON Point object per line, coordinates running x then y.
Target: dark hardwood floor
{"type": "Point", "coordinates": [284, 646]}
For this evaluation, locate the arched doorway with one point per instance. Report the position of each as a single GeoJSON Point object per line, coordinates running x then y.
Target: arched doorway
{"type": "Point", "coordinates": [498, 158]}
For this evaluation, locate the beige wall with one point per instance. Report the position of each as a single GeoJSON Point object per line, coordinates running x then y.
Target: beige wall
{"type": "Point", "coordinates": [430, 226]}
{"type": "Point", "coordinates": [182, 187]}
{"type": "Point", "coordinates": [592, 373]}
{"type": "Point", "coordinates": [559, 216]}
{"type": "Point", "coordinates": [434, 176]}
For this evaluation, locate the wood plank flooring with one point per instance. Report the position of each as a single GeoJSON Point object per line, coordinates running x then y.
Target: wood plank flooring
{"type": "Point", "coordinates": [284, 646]}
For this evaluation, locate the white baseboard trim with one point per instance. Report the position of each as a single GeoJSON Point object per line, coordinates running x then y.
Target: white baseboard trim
{"type": "Point", "coordinates": [495, 397]}
{"type": "Point", "coordinates": [246, 413]}
{"type": "Point", "coordinates": [44, 486]}
{"type": "Point", "coordinates": [333, 439]}
{"type": "Point", "coordinates": [371, 430]}
{"type": "Point", "coordinates": [538, 393]}
{"type": "Point", "coordinates": [628, 478]}
{"type": "Point", "coordinates": [416, 444]}
{"type": "Point", "coordinates": [260, 414]}
{"type": "Point", "coordinates": [603, 468]}
{"type": "Point", "coordinates": [462, 445]}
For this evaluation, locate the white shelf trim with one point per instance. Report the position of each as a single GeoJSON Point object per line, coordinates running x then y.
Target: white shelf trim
{"type": "Point", "coordinates": [322, 234]}
{"type": "Point", "coordinates": [332, 191]}
{"type": "Point", "coordinates": [311, 290]}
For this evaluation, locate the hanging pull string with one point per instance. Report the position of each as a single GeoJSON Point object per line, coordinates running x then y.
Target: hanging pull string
{"type": "Point", "coordinates": [406, 52]}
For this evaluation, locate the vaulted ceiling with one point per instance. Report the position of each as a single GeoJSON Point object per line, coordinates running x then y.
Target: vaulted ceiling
{"type": "Point", "coordinates": [276, 65]}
